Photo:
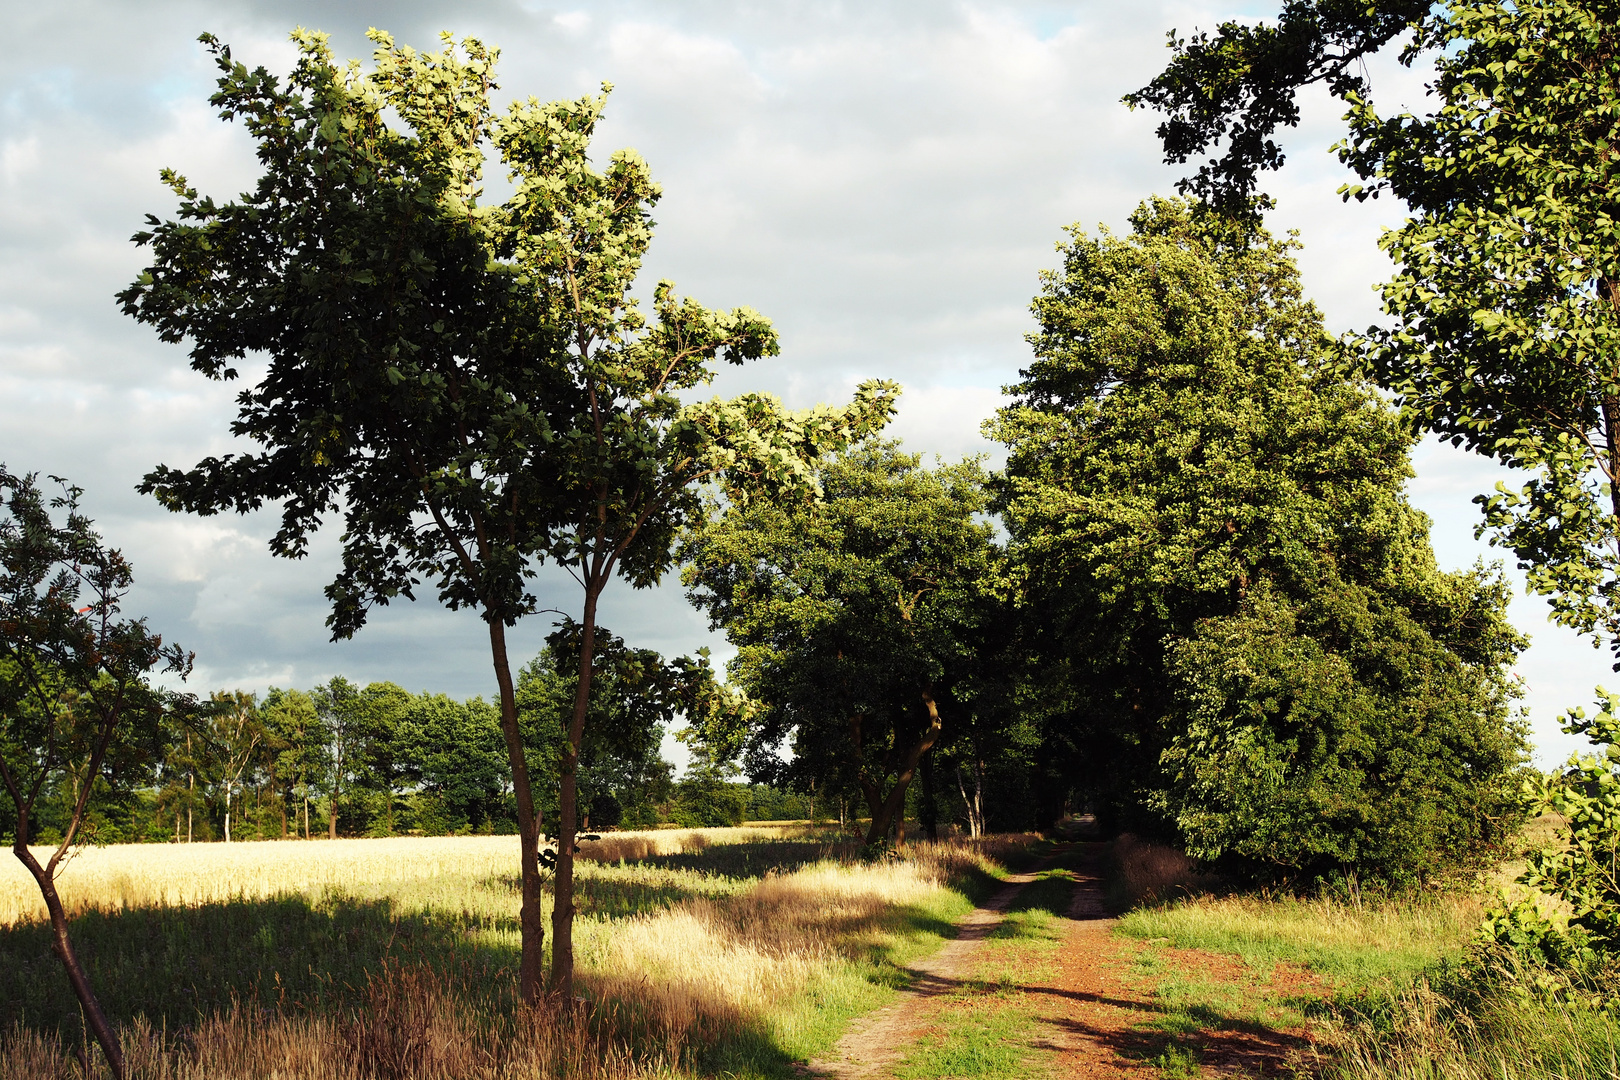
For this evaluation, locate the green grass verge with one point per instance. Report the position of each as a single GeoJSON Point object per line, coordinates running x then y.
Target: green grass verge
{"type": "Point", "coordinates": [983, 1029]}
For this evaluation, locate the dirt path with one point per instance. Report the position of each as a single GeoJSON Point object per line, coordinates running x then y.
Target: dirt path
{"type": "Point", "coordinates": [875, 1042]}
{"type": "Point", "coordinates": [1096, 1012]}
{"type": "Point", "coordinates": [1102, 1017]}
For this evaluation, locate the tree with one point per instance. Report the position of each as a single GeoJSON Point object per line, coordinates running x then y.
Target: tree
{"type": "Point", "coordinates": [234, 734]}
{"type": "Point", "coordinates": [637, 694]}
{"type": "Point", "coordinates": [1506, 302]}
{"type": "Point", "coordinates": [456, 752]}
{"type": "Point", "coordinates": [75, 704]}
{"type": "Point", "coordinates": [472, 386]}
{"type": "Point", "coordinates": [856, 617]}
{"type": "Point", "coordinates": [299, 739]}
{"type": "Point", "coordinates": [1242, 84]}
{"type": "Point", "coordinates": [382, 767]}
{"type": "Point", "coordinates": [1261, 654]}
{"type": "Point", "coordinates": [346, 720]}
{"type": "Point", "coordinates": [1507, 297]}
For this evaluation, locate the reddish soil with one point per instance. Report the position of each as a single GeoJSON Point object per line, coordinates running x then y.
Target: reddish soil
{"type": "Point", "coordinates": [1095, 1017]}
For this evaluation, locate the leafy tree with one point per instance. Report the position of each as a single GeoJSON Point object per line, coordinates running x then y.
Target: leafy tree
{"type": "Point", "coordinates": [1506, 301]}
{"type": "Point", "coordinates": [456, 755]}
{"type": "Point", "coordinates": [857, 617]}
{"type": "Point", "coordinates": [472, 386]}
{"type": "Point", "coordinates": [298, 739]}
{"type": "Point", "coordinates": [346, 719]}
{"type": "Point", "coordinates": [1241, 85]}
{"type": "Point", "coordinates": [233, 735]}
{"type": "Point", "coordinates": [382, 767]}
{"type": "Point", "coordinates": [637, 694]}
{"type": "Point", "coordinates": [75, 705]}
{"type": "Point", "coordinates": [1261, 652]}
{"type": "Point", "coordinates": [1507, 297]}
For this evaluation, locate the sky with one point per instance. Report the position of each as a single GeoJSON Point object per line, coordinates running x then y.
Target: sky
{"type": "Point", "coordinates": [885, 181]}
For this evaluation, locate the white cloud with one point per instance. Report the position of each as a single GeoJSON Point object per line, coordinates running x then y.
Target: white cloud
{"type": "Point", "coordinates": [883, 181]}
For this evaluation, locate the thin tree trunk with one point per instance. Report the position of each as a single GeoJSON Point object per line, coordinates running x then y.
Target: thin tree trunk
{"type": "Point", "coordinates": [63, 947]}
{"type": "Point", "coordinates": [929, 818]}
{"type": "Point", "coordinates": [562, 911]}
{"type": "Point", "coordinates": [531, 921]}
{"type": "Point", "coordinates": [227, 815]}
{"type": "Point", "coordinates": [331, 815]}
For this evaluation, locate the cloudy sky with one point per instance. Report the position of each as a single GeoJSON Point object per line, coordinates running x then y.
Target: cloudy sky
{"type": "Point", "coordinates": [884, 180]}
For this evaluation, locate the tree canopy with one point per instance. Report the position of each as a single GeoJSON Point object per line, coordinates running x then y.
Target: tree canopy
{"type": "Point", "coordinates": [858, 618]}
{"type": "Point", "coordinates": [1262, 654]}
{"type": "Point", "coordinates": [472, 387]}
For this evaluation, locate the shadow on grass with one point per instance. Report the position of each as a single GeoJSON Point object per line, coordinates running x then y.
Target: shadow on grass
{"type": "Point", "coordinates": [294, 954]}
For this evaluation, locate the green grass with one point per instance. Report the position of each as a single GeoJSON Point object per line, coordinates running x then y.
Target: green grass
{"type": "Point", "coordinates": [1387, 942]}
{"type": "Point", "coordinates": [983, 1029]}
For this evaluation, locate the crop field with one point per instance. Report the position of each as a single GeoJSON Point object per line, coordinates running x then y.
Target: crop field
{"type": "Point", "coordinates": [730, 950]}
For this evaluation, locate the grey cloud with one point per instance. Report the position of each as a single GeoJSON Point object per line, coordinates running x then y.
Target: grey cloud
{"type": "Point", "coordinates": [883, 180]}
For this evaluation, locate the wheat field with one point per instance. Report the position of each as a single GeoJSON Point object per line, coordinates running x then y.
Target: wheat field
{"type": "Point", "coordinates": [733, 950]}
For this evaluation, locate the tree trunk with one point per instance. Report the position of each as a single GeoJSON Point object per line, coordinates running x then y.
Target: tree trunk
{"type": "Point", "coordinates": [971, 802]}
{"type": "Point", "coordinates": [562, 911]}
{"type": "Point", "coordinates": [531, 921]}
{"type": "Point", "coordinates": [929, 817]}
{"type": "Point", "coordinates": [331, 815]}
{"type": "Point", "coordinates": [227, 815]}
{"type": "Point", "coordinates": [884, 812]}
{"type": "Point", "coordinates": [63, 948]}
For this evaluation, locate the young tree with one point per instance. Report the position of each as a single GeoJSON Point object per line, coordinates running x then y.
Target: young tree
{"type": "Point", "coordinates": [473, 386]}
{"type": "Point", "coordinates": [382, 766]}
{"type": "Point", "coordinates": [857, 618]}
{"type": "Point", "coordinates": [233, 734]}
{"type": "Point", "coordinates": [345, 717]}
{"type": "Point", "coordinates": [75, 704]}
{"type": "Point", "coordinates": [637, 694]}
{"type": "Point", "coordinates": [299, 739]}
{"type": "Point", "coordinates": [1260, 646]}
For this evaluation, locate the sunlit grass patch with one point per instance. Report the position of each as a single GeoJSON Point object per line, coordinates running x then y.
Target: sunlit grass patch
{"type": "Point", "coordinates": [736, 951]}
{"type": "Point", "coordinates": [1382, 941]}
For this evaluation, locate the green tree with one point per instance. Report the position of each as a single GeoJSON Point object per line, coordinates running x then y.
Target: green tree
{"type": "Point", "coordinates": [457, 760]}
{"type": "Point", "coordinates": [1260, 649]}
{"type": "Point", "coordinates": [346, 718]}
{"type": "Point", "coordinates": [857, 618]}
{"type": "Point", "coordinates": [1507, 299]}
{"type": "Point", "coordinates": [471, 385]}
{"type": "Point", "coordinates": [1506, 302]}
{"type": "Point", "coordinates": [75, 705]}
{"type": "Point", "coordinates": [1242, 84]}
{"type": "Point", "coordinates": [294, 729]}
{"type": "Point", "coordinates": [233, 735]}
{"type": "Point", "coordinates": [636, 695]}
{"type": "Point", "coordinates": [382, 767]}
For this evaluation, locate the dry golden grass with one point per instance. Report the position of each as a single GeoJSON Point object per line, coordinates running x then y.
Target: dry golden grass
{"type": "Point", "coordinates": [145, 875]}
{"type": "Point", "coordinates": [682, 952]}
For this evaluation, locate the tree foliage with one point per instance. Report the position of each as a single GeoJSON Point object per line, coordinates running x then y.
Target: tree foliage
{"type": "Point", "coordinates": [858, 618]}
{"type": "Point", "coordinates": [472, 387]}
{"type": "Point", "coordinates": [1258, 646]}
{"type": "Point", "coordinates": [1241, 85]}
{"type": "Point", "coordinates": [76, 708]}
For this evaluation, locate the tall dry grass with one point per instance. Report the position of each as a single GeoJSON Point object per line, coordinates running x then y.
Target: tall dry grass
{"type": "Point", "coordinates": [127, 876]}
{"type": "Point", "coordinates": [1424, 1036]}
{"type": "Point", "coordinates": [717, 955]}
{"type": "Point", "coordinates": [411, 1027]}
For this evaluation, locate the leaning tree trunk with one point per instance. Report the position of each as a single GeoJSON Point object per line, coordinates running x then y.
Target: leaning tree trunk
{"type": "Point", "coordinates": [63, 947]}
{"type": "Point", "coordinates": [884, 810]}
{"type": "Point", "coordinates": [531, 921]}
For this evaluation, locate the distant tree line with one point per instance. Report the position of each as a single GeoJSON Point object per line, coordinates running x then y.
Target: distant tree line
{"type": "Point", "coordinates": [344, 760]}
